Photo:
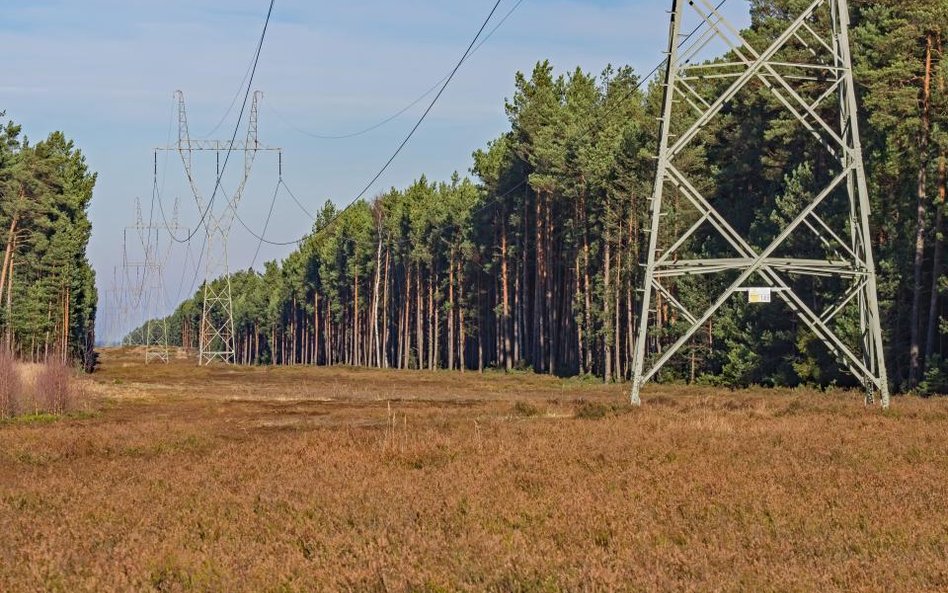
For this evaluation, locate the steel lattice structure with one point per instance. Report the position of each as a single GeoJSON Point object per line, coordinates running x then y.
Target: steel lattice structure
{"type": "Point", "coordinates": [151, 290]}
{"type": "Point", "coordinates": [115, 312]}
{"type": "Point", "coordinates": [216, 342]}
{"type": "Point", "coordinates": [824, 239]}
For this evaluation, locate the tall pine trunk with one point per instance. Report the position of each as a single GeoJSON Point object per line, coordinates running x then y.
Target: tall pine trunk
{"type": "Point", "coordinates": [506, 325]}
{"type": "Point", "coordinates": [537, 335]}
{"type": "Point", "coordinates": [406, 326]}
{"type": "Point", "coordinates": [548, 277]}
{"type": "Point", "coordinates": [607, 310]}
{"type": "Point", "coordinates": [419, 319]}
{"type": "Point", "coordinates": [66, 322]}
{"type": "Point", "coordinates": [461, 344]}
{"type": "Point", "coordinates": [377, 344]}
{"type": "Point", "coordinates": [8, 255]}
{"type": "Point", "coordinates": [9, 329]}
{"type": "Point", "coordinates": [316, 327]}
{"type": "Point", "coordinates": [938, 240]}
{"type": "Point", "coordinates": [385, 325]}
{"type": "Point", "coordinates": [451, 311]}
{"type": "Point", "coordinates": [577, 290]}
{"type": "Point", "coordinates": [356, 337]}
{"type": "Point", "coordinates": [431, 322]}
{"type": "Point", "coordinates": [921, 211]}
{"type": "Point", "coordinates": [617, 310]}
{"type": "Point", "coordinates": [587, 289]}
{"type": "Point", "coordinates": [938, 248]}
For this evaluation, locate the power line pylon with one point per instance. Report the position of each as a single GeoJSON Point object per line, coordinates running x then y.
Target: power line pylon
{"type": "Point", "coordinates": [216, 341]}
{"type": "Point", "coordinates": [151, 298]}
{"type": "Point", "coordinates": [107, 314]}
{"type": "Point", "coordinates": [114, 313]}
{"type": "Point", "coordinates": [119, 291]}
{"type": "Point", "coordinates": [817, 92]}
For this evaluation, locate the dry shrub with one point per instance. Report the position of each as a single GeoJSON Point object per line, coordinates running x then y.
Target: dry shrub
{"type": "Point", "coordinates": [595, 410]}
{"type": "Point", "coordinates": [522, 408]}
{"type": "Point", "coordinates": [11, 386]}
{"type": "Point", "coordinates": [55, 391]}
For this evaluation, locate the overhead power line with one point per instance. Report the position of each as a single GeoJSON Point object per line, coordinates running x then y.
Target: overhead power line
{"type": "Point", "coordinates": [399, 113]}
{"type": "Point", "coordinates": [266, 224]}
{"type": "Point", "coordinates": [230, 145]}
{"type": "Point", "coordinates": [427, 110]}
{"type": "Point", "coordinates": [233, 101]}
{"type": "Point", "coordinates": [401, 145]}
{"type": "Point", "coordinates": [496, 199]}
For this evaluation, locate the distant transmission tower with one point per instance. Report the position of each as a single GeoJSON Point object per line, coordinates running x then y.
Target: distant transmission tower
{"type": "Point", "coordinates": [216, 341]}
{"type": "Point", "coordinates": [151, 296]}
{"type": "Point", "coordinates": [824, 241]}
{"type": "Point", "coordinates": [111, 318]}
{"type": "Point", "coordinates": [119, 290]}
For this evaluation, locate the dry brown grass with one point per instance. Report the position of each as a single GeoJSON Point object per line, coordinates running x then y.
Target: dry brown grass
{"type": "Point", "coordinates": [11, 386]}
{"type": "Point", "coordinates": [340, 479]}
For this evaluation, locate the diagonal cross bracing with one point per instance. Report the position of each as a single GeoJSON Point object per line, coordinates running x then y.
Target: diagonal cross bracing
{"type": "Point", "coordinates": [848, 262]}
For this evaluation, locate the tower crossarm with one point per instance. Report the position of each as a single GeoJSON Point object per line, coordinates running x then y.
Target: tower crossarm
{"type": "Point", "coordinates": [222, 146]}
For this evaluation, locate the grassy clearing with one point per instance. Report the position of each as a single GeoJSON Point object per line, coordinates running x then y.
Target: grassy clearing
{"type": "Point", "coordinates": [342, 479]}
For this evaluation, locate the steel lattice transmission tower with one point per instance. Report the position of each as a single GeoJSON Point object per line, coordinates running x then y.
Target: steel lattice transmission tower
{"type": "Point", "coordinates": [820, 237]}
{"type": "Point", "coordinates": [115, 315]}
{"type": "Point", "coordinates": [216, 341]}
{"type": "Point", "coordinates": [151, 296]}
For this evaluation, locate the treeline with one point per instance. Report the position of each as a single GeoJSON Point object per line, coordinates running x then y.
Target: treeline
{"type": "Point", "coordinates": [536, 265]}
{"type": "Point", "coordinates": [47, 287]}
{"type": "Point", "coordinates": [464, 276]}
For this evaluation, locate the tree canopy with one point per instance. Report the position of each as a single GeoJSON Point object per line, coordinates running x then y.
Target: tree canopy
{"type": "Point", "coordinates": [47, 287]}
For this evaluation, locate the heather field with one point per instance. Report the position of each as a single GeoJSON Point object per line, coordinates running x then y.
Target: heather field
{"type": "Point", "coordinates": [316, 479]}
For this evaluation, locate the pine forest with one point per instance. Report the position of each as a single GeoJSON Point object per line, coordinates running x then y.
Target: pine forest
{"type": "Point", "coordinates": [47, 286]}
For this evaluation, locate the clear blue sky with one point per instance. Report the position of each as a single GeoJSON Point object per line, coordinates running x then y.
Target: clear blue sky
{"type": "Point", "coordinates": [104, 71]}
